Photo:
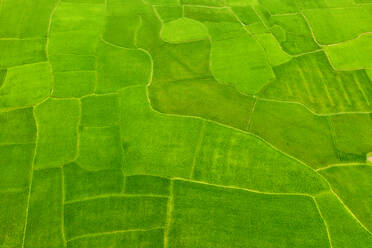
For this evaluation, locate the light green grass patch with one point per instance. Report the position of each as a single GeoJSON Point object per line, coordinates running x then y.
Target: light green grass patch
{"type": "Point", "coordinates": [100, 148]}
{"type": "Point", "coordinates": [353, 183]}
{"type": "Point", "coordinates": [94, 216]}
{"type": "Point", "coordinates": [238, 60]}
{"type": "Point", "coordinates": [344, 230]}
{"type": "Point", "coordinates": [273, 50]}
{"type": "Point", "coordinates": [16, 161]}
{"type": "Point", "coordinates": [168, 13]}
{"type": "Point", "coordinates": [12, 217]}
{"type": "Point", "coordinates": [215, 3]}
{"type": "Point", "coordinates": [44, 220]}
{"type": "Point", "coordinates": [310, 80]}
{"type": "Point", "coordinates": [170, 152]}
{"type": "Point", "coordinates": [353, 134]}
{"type": "Point", "coordinates": [15, 52]}
{"type": "Point", "coordinates": [293, 33]}
{"type": "Point", "coordinates": [247, 213]}
{"type": "Point", "coordinates": [279, 6]}
{"type": "Point", "coordinates": [144, 239]}
{"type": "Point", "coordinates": [233, 158]}
{"type": "Point", "coordinates": [69, 63]}
{"type": "Point", "coordinates": [100, 110]}
{"type": "Point", "coordinates": [17, 127]}
{"type": "Point", "coordinates": [26, 85]}
{"type": "Point", "coordinates": [57, 123]}
{"type": "Point", "coordinates": [25, 19]}
{"type": "Point", "coordinates": [74, 83]}
{"type": "Point", "coordinates": [351, 55]}
{"type": "Point", "coordinates": [120, 67]}
{"type": "Point", "coordinates": [183, 30]}
{"type": "Point", "coordinates": [339, 24]}
{"type": "Point", "coordinates": [80, 183]}
{"type": "Point", "coordinates": [147, 185]}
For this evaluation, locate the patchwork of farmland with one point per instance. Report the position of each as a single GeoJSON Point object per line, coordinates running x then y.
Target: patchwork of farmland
{"type": "Point", "coordinates": [186, 123]}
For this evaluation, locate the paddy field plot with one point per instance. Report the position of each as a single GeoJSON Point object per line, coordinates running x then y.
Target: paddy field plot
{"type": "Point", "coordinates": [185, 123]}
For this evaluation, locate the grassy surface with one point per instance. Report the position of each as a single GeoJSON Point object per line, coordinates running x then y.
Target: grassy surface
{"type": "Point", "coordinates": [185, 123]}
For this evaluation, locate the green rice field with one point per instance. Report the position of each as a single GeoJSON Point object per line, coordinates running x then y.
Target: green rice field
{"type": "Point", "coordinates": [185, 123]}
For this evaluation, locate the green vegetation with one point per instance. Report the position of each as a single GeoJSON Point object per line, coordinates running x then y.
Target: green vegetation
{"type": "Point", "coordinates": [351, 55]}
{"type": "Point", "coordinates": [185, 123]}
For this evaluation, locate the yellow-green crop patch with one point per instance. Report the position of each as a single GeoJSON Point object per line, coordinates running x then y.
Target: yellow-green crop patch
{"type": "Point", "coordinates": [185, 123]}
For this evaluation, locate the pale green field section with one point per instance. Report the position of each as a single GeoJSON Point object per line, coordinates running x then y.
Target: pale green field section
{"type": "Point", "coordinates": [183, 29]}
{"type": "Point", "coordinates": [74, 34]}
{"type": "Point", "coordinates": [30, 21]}
{"type": "Point", "coordinates": [131, 212]}
{"type": "Point", "coordinates": [236, 57]}
{"type": "Point", "coordinates": [229, 157]}
{"type": "Point", "coordinates": [346, 23]}
{"type": "Point", "coordinates": [81, 184]}
{"type": "Point", "coordinates": [293, 33]}
{"type": "Point", "coordinates": [311, 81]}
{"type": "Point", "coordinates": [12, 218]}
{"type": "Point", "coordinates": [353, 54]}
{"type": "Point", "coordinates": [119, 67]}
{"type": "Point", "coordinates": [25, 85]}
{"type": "Point", "coordinates": [185, 123]}
{"type": "Point", "coordinates": [350, 233]}
{"type": "Point", "coordinates": [277, 7]}
{"type": "Point", "coordinates": [19, 127]}
{"type": "Point", "coordinates": [170, 152]}
{"type": "Point", "coordinates": [168, 13]}
{"type": "Point", "coordinates": [144, 239]}
{"type": "Point", "coordinates": [57, 122]}
{"type": "Point", "coordinates": [44, 225]}
{"type": "Point", "coordinates": [275, 53]}
{"type": "Point", "coordinates": [21, 51]}
{"type": "Point", "coordinates": [352, 183]}
{"type": "Point", "coordinates": [209, 153]}
{"type": "Point", "coordinates": [100, 148]}
{"type": "Point", "coordinates": [17, 147]}
{"type": "Point", "coordinates": [352, 135]}
{"type": "Point", "coordinates": [97, 111]}
{"type": "Point", "coordinates": [144, 184]}
{"type": "Point", "coordinates": [195, 204]}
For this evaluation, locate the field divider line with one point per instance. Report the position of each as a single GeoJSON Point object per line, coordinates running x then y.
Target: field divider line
{"type": "Point", "coordinates": [30, 180]}
{"type": "Point", "coordinates": [170, 206]}
{"type": "Point", "coordinates": [47, 45]}
{"type": "Point", "coordinates": [343, 165]}
{"type": "Point", "coordinates": [350, 212]}
{"type": "Point", "coordinates": [324, 222]}
{"type": "Point", "coordinates": [92, 235]}
{"type": "Point", "coordinates": [333, 137]}
{"type": "Point", "coordinates": [312, 111]}
{"type": "Point", "coordinates": [197, 148]}
{"type": "Point", "coordinates": [361, 89]}
{"type": "Point", "coordinates": [63, 207]}
{"type": "Point", "coordinates": [116, 195]}
{"type": "Point", "coordinates": [239, 188]}
{"type": "Point", "coordinates": [251, 115]}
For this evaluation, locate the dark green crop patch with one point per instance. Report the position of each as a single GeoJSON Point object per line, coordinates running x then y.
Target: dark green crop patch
{"type": "Point", "coordinates": [185, 123]}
